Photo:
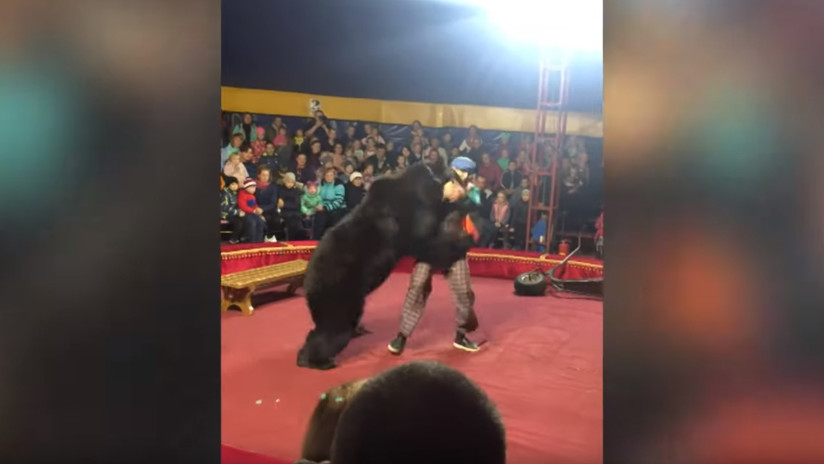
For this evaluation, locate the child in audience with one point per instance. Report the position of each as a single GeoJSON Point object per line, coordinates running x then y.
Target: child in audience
{"type": "Point", "coordinates": [254, 226]}
{"type": "Point", "coordinates": [500, 218]}
{"type": "Point", "coordinates": [539, 233]}
{"type": "Point", "coordinates": [233, 147]}
{"type": "Point", "coordinates": [300, 141]}
{"type": "Point", "coordinates": [310, 201]}
{"type": "Point", "coordinates": [259, 144]}
{"type": "Point", "coordinates": [289, 203]}
{"type": "Point", "coordinates": [235, 168]}
{"type": "Point", "coordinates": [229, 210]}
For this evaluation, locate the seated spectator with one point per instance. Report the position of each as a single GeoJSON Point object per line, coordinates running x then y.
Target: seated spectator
{"type": "Point", "coordinates": [475, 150]}
{"type": "Point", "coordinates": [417, 129]}
{"type": "Point", "coordinates": [500, 217]}
{"type": "Point", "coordinates": [254, 226]}
{"type": "Point", "coordinates": [233, 147]}
{"type": "Point", "coordinates": [416, 413]}
{"type": "Point", "coordinates": [400, 164]}
{"type": "Point", "coordinates": [274, 129]}
{"type": "Point", "coordinates": [517, 218]}
{"type": "Point", "coordinates": [471, 135]}
{"type": "Point", "coordinates": [447, 143]}
{"type": "Point", "coordinates": [379, 160]}
{"type": "Point", "coordinates": [433, 156]}
{"type": "Point", "coordinates": [311, 201]}
{"type": "Point", "coordinates": [487, 195]}
{"type": "Point", "coordinates": [524, 185]}
{"type": "Point", "coordinates": [229, 210]}
{"type": "Point", "coordinates": [270, 160]}
{"type": "Point", "coordinates": [338, 156]}
{"type": "Point", "coordinates": [524, 163]}
{"type": "Point", "coordinates": [435, 144]}
{"type": "Point", "coordinates": [511, 179]}
{"type": "Point", "coordinates": [315, 152]}
{"type": "Point", "coordinates": [368, 176]}
{"type": "Point", "coordinates": [369, 148]}
{"type": "Point", "coordinates": [259, 145]}
{"type": "Point", "coordinates": [317, 442]}
{"type": "Point", "coordinates": [539, 231]}
{"type": "Point", "coordinates": [303, 172]}
{"type": "Point", "coordinates": [325, 163]}
{"type": "Point", "coordinates": [289, 202]}
{"type": "Point", "coordinates": [357, 151]}
{"type": "Point", "coordinates": [417, 153]}
{"type": "Point", "coordinates": [503, 160]}
{"type": "Point", "coordinates": [267, 199]}
{"type": "Point", "coordinates": [282, 138]}
{"type": "Point", "coordinates": [373, 133]}
{"type": "Point", "coordinates": [390, 151]}
{"type": "Point", "coordinates": [333, 207]}
{"type": "Point", "coordinates": [490, 171]}
{"type": "Point", "coordinates": [454, 153]}
{"type": "Point", "coordinates": [300, 141]}
{"type": "Point", "coordinates": [246, 128]}
{"type": "Point", "coordinates": [349, 137]}
{"type": "Point", "coordinates": [235, 168]}
{"type": "Point", "coordinates": [354, 190]}
{"type": "Point", "coordinates": [248, 161]}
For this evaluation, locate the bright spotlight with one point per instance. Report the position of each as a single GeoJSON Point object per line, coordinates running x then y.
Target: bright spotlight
{"type": "Point", "coordinates": [563, 25]}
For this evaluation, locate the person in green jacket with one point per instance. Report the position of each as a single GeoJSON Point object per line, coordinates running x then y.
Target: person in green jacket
{"type": "Point", "coordinates": [310, 201]}
{"type": "Point", "coordinates": [333, 207]}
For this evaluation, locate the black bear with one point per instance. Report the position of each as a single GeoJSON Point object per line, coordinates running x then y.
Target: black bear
{"type": "Point", "coordinates": [400, 216]}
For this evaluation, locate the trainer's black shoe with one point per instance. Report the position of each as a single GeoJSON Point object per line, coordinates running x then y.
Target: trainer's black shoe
{"type": "Point", "coordinates": [396, 345]}
{"type": "Point", "coordinates": [463, 343]}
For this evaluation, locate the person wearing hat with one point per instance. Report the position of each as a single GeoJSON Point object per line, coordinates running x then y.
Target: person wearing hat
{"type": "Point", "coordinates": [289, 198]}
{"type": "Point", "coordinates": [229, 210]}
{"type": "Point", "coordinates": [254, 226]}
{"type": "Point", "coordinates": [458, 194]}
{"type": "Point", "coordinates": [354, 190]}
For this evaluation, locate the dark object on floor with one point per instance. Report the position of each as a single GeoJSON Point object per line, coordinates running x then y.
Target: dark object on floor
{"type": "Point", "coordinates": [531, 283]}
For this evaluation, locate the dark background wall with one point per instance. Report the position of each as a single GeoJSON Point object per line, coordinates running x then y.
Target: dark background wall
{"type": "Point", "coordinates": [412, 50]}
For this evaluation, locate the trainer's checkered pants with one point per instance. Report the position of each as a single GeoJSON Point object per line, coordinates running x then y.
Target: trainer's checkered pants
{"type": "Point", "coordinates": [420, 286]}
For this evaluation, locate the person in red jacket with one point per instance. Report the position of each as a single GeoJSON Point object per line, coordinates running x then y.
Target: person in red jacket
{"type": "Point", "coordinates": [254, 226]}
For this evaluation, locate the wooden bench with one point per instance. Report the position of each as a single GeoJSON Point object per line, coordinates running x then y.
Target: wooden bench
{"type": "Point", "coordinates": [238, 287]}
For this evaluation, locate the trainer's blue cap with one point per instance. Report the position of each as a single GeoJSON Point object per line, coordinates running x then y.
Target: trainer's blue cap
{"type": "Point", "coordinates": [464, 164]}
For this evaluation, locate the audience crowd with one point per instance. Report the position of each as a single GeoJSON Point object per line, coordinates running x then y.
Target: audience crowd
{"type": "Point", "coordinates": [281, 183]}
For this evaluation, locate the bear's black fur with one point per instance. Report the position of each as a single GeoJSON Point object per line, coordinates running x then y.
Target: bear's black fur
{"type": "Point", "coordinates": [400, 216]}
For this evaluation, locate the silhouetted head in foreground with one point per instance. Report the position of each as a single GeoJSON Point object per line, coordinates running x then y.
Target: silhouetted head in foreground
{"type": "Point", "coordinates": [420, 412]}
{"type": "Point", "coordinates": [317, 442]}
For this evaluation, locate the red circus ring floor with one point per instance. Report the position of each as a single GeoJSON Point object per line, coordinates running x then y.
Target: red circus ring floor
{"type": "Point", "coordinates": [542, 363]}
